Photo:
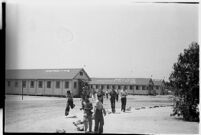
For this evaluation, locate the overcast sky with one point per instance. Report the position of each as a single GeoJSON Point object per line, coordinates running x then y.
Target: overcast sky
{"type": "Point", "coordinates": [106, 38]}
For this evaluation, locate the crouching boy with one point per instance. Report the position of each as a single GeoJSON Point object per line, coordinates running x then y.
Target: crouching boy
{"type": "Point", "coordinates": [98, 116]}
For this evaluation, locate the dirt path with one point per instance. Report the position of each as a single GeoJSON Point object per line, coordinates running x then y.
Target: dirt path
{"type": "Point", "coordinates": [46, 114]}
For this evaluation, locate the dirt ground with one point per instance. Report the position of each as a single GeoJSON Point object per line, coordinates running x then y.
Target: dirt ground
{"type": "Point", "coordinates": [46, 114]}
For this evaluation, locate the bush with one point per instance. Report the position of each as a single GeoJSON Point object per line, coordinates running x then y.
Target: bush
{"type": "Point", "coordinates": [185, 80]}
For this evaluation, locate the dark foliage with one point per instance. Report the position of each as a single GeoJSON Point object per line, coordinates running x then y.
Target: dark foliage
{"type": "Point", "coordinates": [185, 81]}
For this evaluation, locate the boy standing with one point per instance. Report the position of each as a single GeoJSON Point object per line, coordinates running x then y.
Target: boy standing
{"type": "Point", "coordinates": [123, 100]}
{"type": "Point", "coordinates": [98, 115]}
{"type": "Point", "coordinates": [87, 118]}
{"type": "Point", "coordinates": [106, 94]}
{"type": "Point", "coordinates": [117, 94]}
{"type": "Point", "coordinates": [100, 93]}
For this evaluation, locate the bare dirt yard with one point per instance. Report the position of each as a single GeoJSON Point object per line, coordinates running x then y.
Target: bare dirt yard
{"type": "Point", "coordinates": [46, 115]}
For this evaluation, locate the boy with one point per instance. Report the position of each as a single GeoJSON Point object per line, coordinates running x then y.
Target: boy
{"type": "Point", "coordinates": [123, 100]}
{"type": "Point", "coordinates": [117, 94]}
{"type": "Point", "coordinates": [69, 103]}
{"type": "Point", "coordinates": [93, 93]}
{"type": "Point", "coordinates": [113, 96]}
{"type": "Point", "coordinates": [106, 94]}
{"type": "Point", "coordinates": [98, 115]}
{"type": "Point", "coordinates": [101, 94]}
{"type": "Point", "coordinates": [87, 118]}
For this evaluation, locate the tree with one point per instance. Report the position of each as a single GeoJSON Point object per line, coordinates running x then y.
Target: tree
{"type": "Point", "coordinates": [151, 87]}
{"type": "Point", "coordinates": [84, 89]}
{"type": "Point", "coordinates": [185, 80]}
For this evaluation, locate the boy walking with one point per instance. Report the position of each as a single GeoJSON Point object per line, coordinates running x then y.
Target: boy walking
{"type": "Point", "coordinates": [113, 96]}
{"type": "Point", "coordinates": [69, 103]}
{"type": "Point", "coordinates": [123, 100]}
{"type": "Point", "coordinates": [98, 115]}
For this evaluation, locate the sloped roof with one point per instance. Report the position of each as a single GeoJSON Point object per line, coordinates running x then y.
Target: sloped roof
{"type": "Point", "coordinates": [123, 81]}
{"type": "Point", "coordinates": [157, 82]}
{"type": "Point", "coordinates": [42, 73]}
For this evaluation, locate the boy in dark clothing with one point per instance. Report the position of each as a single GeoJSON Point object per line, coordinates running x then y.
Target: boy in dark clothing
{"type": "Point", "coordinates": [101, 94]}
{"type": "Point", "coordinates": [117, 95]}
{"type": "Point", "coordinates": [87, 118]}
{"type": "Point", "coordinates": [106, 93]}
{"type": "Point", "coordinates": [98, 115]}
{"type": "Point", "coordinates": [113, 96]}
{"type": "Point", "coordinates": [69, 103]}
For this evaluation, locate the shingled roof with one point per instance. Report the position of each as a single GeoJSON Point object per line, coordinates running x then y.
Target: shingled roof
{"type": "Point", "coordinates": [124, 81]}
{"type": "Point", "coordinates": [42, 73]}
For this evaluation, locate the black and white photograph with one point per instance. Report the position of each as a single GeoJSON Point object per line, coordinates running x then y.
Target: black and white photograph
{"type": "Point", "coordinates": [101, 66]}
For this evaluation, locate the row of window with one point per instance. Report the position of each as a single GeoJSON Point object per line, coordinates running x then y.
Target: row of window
{"type": "Point", "coordinates": [40, 84]}
{"type": "Point", "coordinates": [131, 87]}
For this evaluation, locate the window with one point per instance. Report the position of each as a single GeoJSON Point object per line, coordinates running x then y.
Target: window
{"type": "Point", "coordinates": [48, 84]}
{"type": "Point", "coordinates": [96, 86]}
{"type": "Point", "coordinates": [66, 84]}
{"type": "Point", "coordinates": [40, 84]}
{"type": "Point", "coordinates": [143, 87]}
{"type": "Point", "coordinates": [16, 84]}
{"type": "Point", "coordinates": [81, 73]}
{"type": "Point", "coordinates": [137, 87]}
{"type": "Point", "coordinates": [8, 83]}
{"type": "Point", "coordinates": [57, 84]}
{"type": "Point", "coordinates": [32, 84]}
{"type": "Point", "coordinates": [131, 87]}
{"type": "Point", "coordinates": [24, 84]}
{"type": "Point", "coordinates": [102, 87]}
{"type": "Point", "coordinates": [123, 87]}
{"type": "Point", "coordinates": [75, 84]}
{"type": "Point", "coordinates": [107, 86]}
{"type": "Point", "coordinates": [119, 87]}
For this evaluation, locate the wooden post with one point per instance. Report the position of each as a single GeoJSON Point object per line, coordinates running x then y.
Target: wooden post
{"type": "Point", "coordinates": [22, 90]}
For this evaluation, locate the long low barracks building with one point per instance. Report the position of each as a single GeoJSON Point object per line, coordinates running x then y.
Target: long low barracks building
{"type": "Point", "coordinates": [55, 82]}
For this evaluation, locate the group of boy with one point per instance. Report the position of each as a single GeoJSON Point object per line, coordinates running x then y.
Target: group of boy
{"type": "Point", "coordinates": [98, 115]}
{"type": "Point", "coordinates": [114, 96]}
{"type": "Point", "coordinates": [99, 111]}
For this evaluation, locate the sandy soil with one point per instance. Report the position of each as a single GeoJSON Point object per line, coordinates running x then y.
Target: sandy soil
{"type": "Point", "coordinates": [46, 114]}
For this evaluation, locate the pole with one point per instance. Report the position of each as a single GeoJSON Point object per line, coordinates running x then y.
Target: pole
{"type": "Point", "coordinates": [3, 32]}
{"type": "Point", "coordinates": [22, 90]}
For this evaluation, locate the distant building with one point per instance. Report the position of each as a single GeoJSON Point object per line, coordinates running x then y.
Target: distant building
{"type": "Point", "coordinates": [134, 86]}
{"type": "Point", "coordinates": [55, 82]}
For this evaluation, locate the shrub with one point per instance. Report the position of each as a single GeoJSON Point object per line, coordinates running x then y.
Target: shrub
{"type": "Point", "coordinates": [185, 80]}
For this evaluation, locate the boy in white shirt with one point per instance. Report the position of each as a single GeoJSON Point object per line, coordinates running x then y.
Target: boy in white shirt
{"type": "Point", "coordinates": [123, 100]}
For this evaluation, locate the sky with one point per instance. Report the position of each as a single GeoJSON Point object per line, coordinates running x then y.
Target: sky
{"type": "Point", "coordinates": [107, 38]}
